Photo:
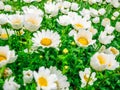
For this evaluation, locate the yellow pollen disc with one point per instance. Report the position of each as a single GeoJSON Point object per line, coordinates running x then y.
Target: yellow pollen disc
{"type": "Point", "coordinates": [113, 50]}
{"type": "Point", "coordinates": [2, 58]}
{"type": "Point", "coordinates": [46, 41]}
{"type": "Point", "coordinates": [110, 64]}
{"type": "Point", "coordinates": [28, 74]}
{"type": "Point", "coordinates": [42, 81]}
{"type": "Point", "coordinates": [32, 20]}
{"type": "Point", "coordinates": [58, 87]}
{"type": "Point", "coordinates": [83, 41]}
{"type": "Point", "coordinates": [79, 25]}
{"type": "Point", "coordinates": [101, 59]}
{"type": "Point", "coordinates": [4, 36]}
{"type": "Point", "coordinates": [85, 77]}
{"type": "Point", "coordinates": [16, 21]}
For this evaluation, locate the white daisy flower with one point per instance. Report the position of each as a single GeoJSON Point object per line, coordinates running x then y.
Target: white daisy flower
{"type": "Point", "coordinates": [6, 56]}
{"type": "Point", "coordinates": [102, 11]}
{"type": "Point", "coordinates": [92, 2]}
{"type": "Point", "coordinates": [46, 39]}
{"type": "Point", "coordinates": [113, 64]}
{"type": "Point", "coordinates": [93, 12]}
{"type": "Point", "coordinates": [3, 19]}
{"type": "Point", "coordinates": [72, 32]}
{"type": "Point", "coordinates": [28, 1]}
{"type": "Point", "coordinates": [45, 80]}
{"type": "Point", "coordinates": [92, 30]}
{"type": "Point", "coordinates": [117, 26]}
{"type": "Point", "coordinates": [86, 77]}
{"type": "Point", "coordinates": [104, 38]}
{"type": "Point", "coordinates": [7, 72]}
{"type": "Point", "coordinates": [66, 4]}
{"type": "Point", "coordinates": [109, 29]}
{"type": "Point", "coordinates": [8, 8]}
{"type": "Point", "coordinates": [64, 20]}
{"type": "Point", "coordinates": [10, 84]}
{"type": "Point", "coordinates": [115, 3]}
{"type": "Point", "coordinates": [32, 10]}
{"type": "Point", "coordinates": [62, 83]}
{"type": "Point", "coordinates": [84, 38]}
{"type": "Point", "coordinates": [99, 2]}
{"type": "Point", "coordinates": [64, 10]}
{"type": "Point", "coordinates": [96, 20]}
{"type": "Point", "coordinates": [4, 34]}
{"type": "Point", "coordinates": [116, 14]}
{"type": "Point", "coordinates": [73, 15]}
{"type": "Point", "coordinates": [99, 61]}
{"type": "Point", "coordinates": [105, 21]}
{"type": "Point", "coordinates": [16, 21]}
{"type": "Point", "coordinates": [27, 76]}
{"type": "Point", "coordinates": [80, 23]}
{"type": "Point", "coordinates": [74, 6]}
{"type": "Point", "coordinates": [51, 8]}
{"type": "Point", "coordinates": [32, 22]}
{"type": "Point", "coordinates": [112, 50]}
{"type": "Point", "coordinates": [1, 5]}
{"type": "Point", "coordinates": [85, 13]}
{"type": "Point", "coordinates": [108, 1]}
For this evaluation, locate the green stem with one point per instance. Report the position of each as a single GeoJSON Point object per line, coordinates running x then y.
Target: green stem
{"type": "Point", "coordinates": [29, 43]}
{"type": "Point", "coordinates": [88, 80]}
{"type": "Point", "coordinates": [2, 71]}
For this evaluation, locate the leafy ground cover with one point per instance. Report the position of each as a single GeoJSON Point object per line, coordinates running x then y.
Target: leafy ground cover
{"type": "Point", "coordinates": [59, 45]}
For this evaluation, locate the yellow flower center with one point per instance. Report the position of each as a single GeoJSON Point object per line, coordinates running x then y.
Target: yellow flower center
{"type": "Point", "coordinates": [2, 58]}
{"type": "Point", "coordinates": [32, 20]}
{"type": "Point", "coordinates": [101, 59]}
{"type": "Point", "coordinates": [79, 25]}
{"type": "Point", "coordinates": [87, 78]}
{"type": "Point", "coordinates": [83, 41]}
{"type": "Point", "coordinates": [110, 64]}
{"type": "Point", "coordinates": [42, 81]}
{"type": "Point", "coordinates": [46, 41]}
{"type": "Point", "coordinates": [4, 36]}
{"type": "Point", "coordinates": [113, 50]}
{"type": "Point", "coordinates": [16, 21]}
{"type": "Point", "coordinates": [58, 86]}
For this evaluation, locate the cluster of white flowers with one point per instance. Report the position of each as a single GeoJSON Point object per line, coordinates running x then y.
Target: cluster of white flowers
{"type": "Point", "coordinates": [105, 59]}
{"type": "Point", "coordinates": [46, 79]}
{"type": "Point", "coordinates": [29, 1]}
{"type": "Point", "coordinates": [7, 8]}
{"type": "Point", "coordinates": [114, 3]}
{"type": "Point", "coordinates": [10, 84]}
{"type": "Point", "coordinates": [82, 30]}
{"type": "Point", "coordinates": [30, 19]}
{"type": "Point", "coordinates": [52, 8]}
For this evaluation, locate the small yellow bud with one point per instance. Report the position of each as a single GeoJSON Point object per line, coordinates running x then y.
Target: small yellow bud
{"type": "Point", "coordinates": [73, 43]}
{"type": "Point", "coordinates": [113, 18]}
{"type": "Point", "coordinates": [41, 56]}
{"type": "Point", "coordinates": [65, 51]}
{"type": "Point", "coordinates": [66, 67]}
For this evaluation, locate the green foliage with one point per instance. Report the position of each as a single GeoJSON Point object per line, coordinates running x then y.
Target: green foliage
{"type": "Point", "coordinates": [70, 63]}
